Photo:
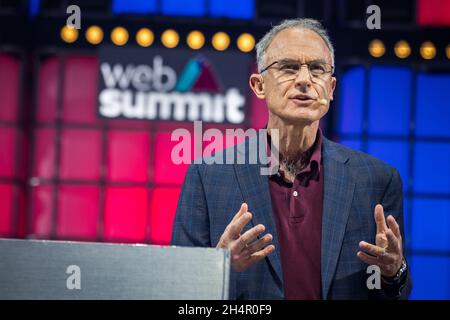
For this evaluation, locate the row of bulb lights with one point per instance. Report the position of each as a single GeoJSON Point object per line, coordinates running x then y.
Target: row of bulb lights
{"type": "Point", "coordinates": [402, 49]}
{"type": "Point", "coordinates": [169, 38]}
{"type": "Point", "coordinates": [221, 41]}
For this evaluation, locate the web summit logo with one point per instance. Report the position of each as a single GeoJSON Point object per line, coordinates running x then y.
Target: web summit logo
{"type": "Point", "coordinates": [154, 92]}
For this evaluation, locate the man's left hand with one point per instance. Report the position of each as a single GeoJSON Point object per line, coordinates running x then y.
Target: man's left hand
{"type": "Point", "coordinates": [387, 253]}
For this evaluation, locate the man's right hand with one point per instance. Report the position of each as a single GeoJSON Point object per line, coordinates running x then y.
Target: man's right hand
{"type": "Point", "coordinates": [244, 251]}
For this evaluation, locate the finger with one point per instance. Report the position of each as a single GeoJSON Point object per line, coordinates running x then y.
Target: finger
{"type": "Point", "coordinates": [369, 259]}
{"type": "Point", "coordinates": [379, 253]}
{"type": "Point", "coordinates": [393, 243]}
{"type": "Point", "coordinates": [259, 244]}
{"type": "Point", "coordinates": [393, 225]}
{"type": "Point", "coordinates": [379, 218]}
{"type": "Point", "coordinates": [261, 254]}
{"type": "Point", "coordinates": [242, 210]}
{"type": "Point", "coordinates": [381, 240]}
{"type": "Point", "coordinates": [236, 227]}
{"type": "Point", "coordinates": [248, 237]}
{"type": "Point", "coordinates": [230, 232]}
{"type": "Point", "coordinates": [372, 249]}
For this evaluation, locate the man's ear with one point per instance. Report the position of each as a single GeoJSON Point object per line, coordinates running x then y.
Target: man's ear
{"type": "Point", "coordinates": [256, 82]}
{"type": "Point", "coordinates": [333, 86]}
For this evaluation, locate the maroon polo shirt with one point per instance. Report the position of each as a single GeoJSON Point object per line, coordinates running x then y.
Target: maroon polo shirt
{"type": "Point", "coordinates": [297, 209]}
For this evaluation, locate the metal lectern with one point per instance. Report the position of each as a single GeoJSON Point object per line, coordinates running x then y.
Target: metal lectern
{"type": "Point", "coordinates": [34, 269]}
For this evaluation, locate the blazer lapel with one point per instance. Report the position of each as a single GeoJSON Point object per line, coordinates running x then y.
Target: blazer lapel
{"type": "Point", "coordinates": [338, 194]}
{"type": "Point", "coordinates": [255, 189]}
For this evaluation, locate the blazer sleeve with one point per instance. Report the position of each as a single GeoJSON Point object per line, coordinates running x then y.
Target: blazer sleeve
{"type": "Point", "coordinates": [393, 205]}
{"type": "Point", "coordinates": [191, 224]}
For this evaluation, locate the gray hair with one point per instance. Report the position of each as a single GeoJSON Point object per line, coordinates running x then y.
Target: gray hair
{"type": "Point", "coordinates": [300, 23]}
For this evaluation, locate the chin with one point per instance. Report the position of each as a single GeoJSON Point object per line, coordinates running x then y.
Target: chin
{"type": "Point", "coordinates": [303, 117]}
{"type": "Point", "coordinates": [300, 120]}
{"type": "Point", "coordinates": [294, 114]}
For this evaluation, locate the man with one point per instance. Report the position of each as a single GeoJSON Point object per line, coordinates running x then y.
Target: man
{"type": "Point", "coordinates": [310, 230]}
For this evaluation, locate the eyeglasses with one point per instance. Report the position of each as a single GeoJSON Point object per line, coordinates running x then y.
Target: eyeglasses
{"type": "Point", "coordinates": [289, 69]}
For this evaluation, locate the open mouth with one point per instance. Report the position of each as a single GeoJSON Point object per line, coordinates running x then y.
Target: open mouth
{"type": "Point", "coordinates": [303, 99]}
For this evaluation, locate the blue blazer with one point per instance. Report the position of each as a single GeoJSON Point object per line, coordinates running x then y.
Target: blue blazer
{"type": "Point", "coordinates": [354, 183]}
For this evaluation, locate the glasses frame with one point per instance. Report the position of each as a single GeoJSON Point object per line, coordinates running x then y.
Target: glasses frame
{"type": "Point", "coordinates": [331, 71]}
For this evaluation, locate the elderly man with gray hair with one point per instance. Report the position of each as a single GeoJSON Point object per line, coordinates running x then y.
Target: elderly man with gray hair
{"type": "Point", "coordinates": [329, 223]}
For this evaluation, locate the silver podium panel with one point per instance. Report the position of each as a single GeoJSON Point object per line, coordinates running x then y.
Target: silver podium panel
{"type": "Point", "coordinates": [33, 269]}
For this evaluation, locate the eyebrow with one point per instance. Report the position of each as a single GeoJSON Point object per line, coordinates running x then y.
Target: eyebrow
{"type": "Point", "coordinates": [289, 60]}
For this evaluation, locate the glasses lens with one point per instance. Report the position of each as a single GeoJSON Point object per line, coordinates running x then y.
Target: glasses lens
{"type": "Point", "coordinates": [290, 70]}
{"type": "Point", "coordinates": [317, 68]}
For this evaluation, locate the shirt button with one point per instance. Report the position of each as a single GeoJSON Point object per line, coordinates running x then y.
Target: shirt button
{"type": "Point", "coordinates": [295, 193]}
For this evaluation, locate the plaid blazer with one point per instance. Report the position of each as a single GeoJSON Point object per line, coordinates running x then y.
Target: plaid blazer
{"type": "Point", "coordinates": [354, 183]}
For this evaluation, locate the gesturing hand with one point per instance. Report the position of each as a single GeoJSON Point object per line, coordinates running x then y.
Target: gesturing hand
{"type": "Point", "coordinates": [244, 252]}
{"type": "Point", "coordinates": [387, 254]}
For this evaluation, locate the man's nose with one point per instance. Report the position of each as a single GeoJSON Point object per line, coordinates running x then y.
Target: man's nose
{"type": "Point", "coordinates": [303, 76]}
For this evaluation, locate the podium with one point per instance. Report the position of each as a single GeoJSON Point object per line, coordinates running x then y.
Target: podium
{"type": "Point", "coordinates": [36, 269]}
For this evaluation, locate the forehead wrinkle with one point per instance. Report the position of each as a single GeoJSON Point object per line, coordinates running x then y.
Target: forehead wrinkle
{"type": "Point", "coordinates": [303, 49]}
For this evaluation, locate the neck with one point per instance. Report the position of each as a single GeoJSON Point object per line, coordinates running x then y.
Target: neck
{"type": "Point", "coordinates": [295, 138]}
